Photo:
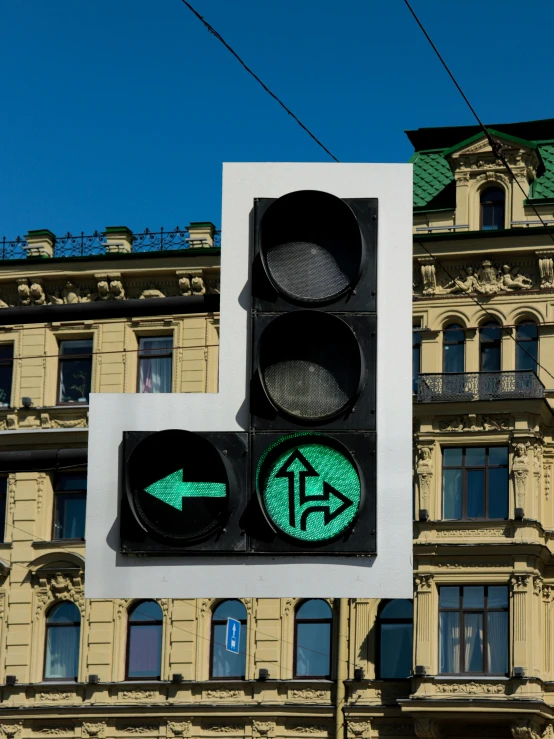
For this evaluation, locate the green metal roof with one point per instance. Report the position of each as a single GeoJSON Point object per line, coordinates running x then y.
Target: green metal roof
{"type": "Point", "coordinates": [433, 178]}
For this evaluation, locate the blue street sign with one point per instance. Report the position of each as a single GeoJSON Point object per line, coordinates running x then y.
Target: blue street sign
{"type": "Point", "coordinates": [232, 636]}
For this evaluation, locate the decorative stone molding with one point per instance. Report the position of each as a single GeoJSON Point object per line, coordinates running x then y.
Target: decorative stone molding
{"type": "Point", "coordinates": [547, 593]}
{"type": "Point", "coordinates": [308, 694]}
{"type": "Point", "coordinates": [428, 275]}
{"type": "Point", "coordinates": [425, 470]}
{"type": "Point", "coordinates": [473, 422]}
{"type": "Point", "coordinates": [546, 267]}
{"type": "Point", "coordinates": [537, 585]}
{"type": "Point", "coordinates": [62, 730]}
{"type": "Point", "coordinates": [358, 729]}
{"type": "Point", "coordinates": [11, 731]}
{"type": "Point", "coordinates": [220, 694]}
{"type": "Point", "coordinates": [526, 728]}
{"type": "Point", "coordinates": [121, 606]}
{"type": "Point", "coordinates": [224, 728]}
{"type": "Point", "coordinates": [470, 688]}
{"type": "Point", "coordinates": [547, 472]}
{"type": "Point", "coordinates": [426, 728]}
{"type": "Point", "coordinates": [138, 695]}
{"type": "Point", "coordinates": [94, 729]}
{"type": "Point", "coordinates": [140, 729]}
{"type": "Point", "coordinates": [308, 729]}
{"type": "Point", "coordinates": [180, 728]}
{"type": "Point", "coordinates": [474, 532]}
{"type": "Point", "coordinates": [54, 697]}
{"type": "Point", "coordinates": [519, 583]}
{"type": "Point", "coordinates": [263, 728]}
{"type": "Point", "coordinates": [58, 588]}
{"type": "Point", "coordinates": [520, 469]}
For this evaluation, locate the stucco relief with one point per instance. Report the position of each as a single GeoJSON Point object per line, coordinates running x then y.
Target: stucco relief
{"type": "Point", "coordinates": [477, 422]}
{"type": "Point", "coordinates": [425, 470]}
{"type": "Point", "coordinates": [57, 588]}
{"type": "Point", "coordinates": [94, 729]}
{"type": "Point", "coordinates": [180, 728]}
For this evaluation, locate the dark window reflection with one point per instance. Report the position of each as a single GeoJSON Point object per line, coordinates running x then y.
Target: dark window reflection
{"type": "Point", "coordinates": [475, 482]}
{"type": "Point", "coordinates": [453, 349]}
{"type": "Point", "coordinates": [226, 664]}
{"type": "Point", "coordinates": [527, 346]}
{"type": "Point", "coordinates": [490, 342]}
{"type": "Point", "coordinates": [416, 359]}
{"type": "Point", "coordinates": [70, 505]}
{"type": "Point", "coordinates": [492, 209]}
{"type": "Point", "coordinates": [75, 371]}
{"type": "Point", "coordinates": [6, 373]}
{"type": "Point", "coordinates": [313, 631]}
{"type": "Point", "coordinates": [144, 641]}
{"type": "Point", "coordinates": [395, 639]}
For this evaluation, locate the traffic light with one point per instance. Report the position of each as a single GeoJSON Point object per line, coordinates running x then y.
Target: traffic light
{"type": "Point", "coordinates": [313, 384]}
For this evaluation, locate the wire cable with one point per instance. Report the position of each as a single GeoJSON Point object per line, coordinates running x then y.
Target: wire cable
{"type": "Point", "coordinates": [220, 38]}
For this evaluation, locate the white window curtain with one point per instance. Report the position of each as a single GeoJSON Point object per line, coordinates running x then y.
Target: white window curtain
{"type": "Point", "coordinates": [450, 642]}
{"type": "Point", "coordinates": [155, 370]}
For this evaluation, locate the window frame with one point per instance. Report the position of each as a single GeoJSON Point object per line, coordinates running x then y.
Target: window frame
{"type": "Point", "coordinates": [464, 469]}
{"type": "Point", "coordinates": [379, 646]}
{"type": "Point", "coordinates": [8, 363]}
{"type": "Point", "coordinates": [416, 346]}
{"type": "Point", "coordinates": [71, 357]}
{"type": "Point", "coordinates": [47, 627]}
{"type": "Point", "coordinates": [484, 611]}
{"type": "Point", "coordinates": [492, 204]}
{"type": "Point", "coordinates": [454, 328]}
{"type": "Point", "coordinates": [56, 495]}
{"type": "Point", "coordinates": [490, 324]}
{"type": "Point", "coordinates": [161, 355]}
{"type": "Point", "coordinates": [4, 497]}
{"type": "Point", "coordinates": [526, 340]}
{"type": "Point", "coordinates": [146, 622]}
{"type": "Point", "coordinates": [220, 622]}
{"type": "Point", "coordinates": [329, 621]}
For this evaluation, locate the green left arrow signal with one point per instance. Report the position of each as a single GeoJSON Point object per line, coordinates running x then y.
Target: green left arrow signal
{"type": "Point", "coordinates": [172, 489]}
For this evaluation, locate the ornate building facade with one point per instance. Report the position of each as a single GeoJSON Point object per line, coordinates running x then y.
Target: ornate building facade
{"type": "Point", "coordinates": [471, 656]}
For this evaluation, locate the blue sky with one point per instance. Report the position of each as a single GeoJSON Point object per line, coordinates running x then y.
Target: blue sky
{"type": "Point", "coordinates": [120, 112]}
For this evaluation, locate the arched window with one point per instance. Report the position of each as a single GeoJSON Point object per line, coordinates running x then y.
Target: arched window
{"type": "Point", "coordinates": [453, 350]}
{"type": "Point", "coordinates": [313, 624]}
{"type": "Point", "coordinates": [527, 346]}
{"type": "Point", "coordinates": [63, 635]}
{"type": "Point", "coordinates": [224, 664]}
{"type": "Point", "coordinates": [144, 641]}
{"type": "Point", "coordinates": [490, 336]}
{"type": "Point", "coordinates": [416, 359]}
{"type": "Point", "coordinates": [395, 627]}
{"type": "Point", "coordinates": [493, 204]}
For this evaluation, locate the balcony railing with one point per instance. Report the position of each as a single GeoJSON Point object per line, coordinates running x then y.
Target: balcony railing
{"type": "Point", "coordinates": [465, 386]}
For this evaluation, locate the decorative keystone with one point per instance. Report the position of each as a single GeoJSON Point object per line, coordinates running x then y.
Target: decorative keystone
{"type": "Point", "coordinates": [119, 240]}
{"type": "Point", "coordinates": [40, 243]}
{"type": "Point", "coordinates": [201, 235]}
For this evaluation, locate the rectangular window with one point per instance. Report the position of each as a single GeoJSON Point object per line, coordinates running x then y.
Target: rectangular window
{"type": "Point", "coordinates": [75, 371]}
{"type": "Point", "coordinates": [416, 360]}
{"type": "Point", "coordinates": [155, 362]}
{"type": "Point", "coordinates": [473, 630]}
{"type": "Point", "coordinates": [3, 501]}
{"type": "Point", "coordinates": [474, 482]}
{"type": "Point", "coordinates": [70, 499]}
{"type": "Point", "coordinates": [6, 373]}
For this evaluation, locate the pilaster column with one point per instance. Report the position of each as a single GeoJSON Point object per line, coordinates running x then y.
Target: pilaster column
{"type": "Point", "coordinates": [547, 640]}
{"type": "Point", "coordinates": [428, 275]}
{"type": "Point", "coordinates": [546, 267]}
{"type": "Point", "coordinates": [520, 588]}
{"type": "Point", "coordinates": [424, 619]}
{"type": "Point", "coordinates": [520, 471]}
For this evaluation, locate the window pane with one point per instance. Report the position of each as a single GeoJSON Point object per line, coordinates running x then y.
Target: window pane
{"type": "Point", "coordinates": [449, 630]}
{"type": "Point", "coordinates": [3, 498]}
{"type": "Point", "coordinates": [147, 610]}
{"type": "Point", "coordinates": [62, 652]}
{"type": "Point", "coordinates": [452, 494]}
{"type": "Point", "coordinates": [526, 355]}
{"type": "Point", "coordinates": [398, 609]}
{"type": "Point", "coordinates": [70, 516]}
{"type": "Point", "coordinates": [155, 364]}
{"type": "Point", "coordinates": [314, 609]}
{"type": "Point", "coordinates": [75, 375]}
{"type": "Point", "coordinates": [313, 643]}
{"type": "Point", "coordinates": [476, 456]}
{"type": "Point", "coordinates": [498, 493]}
{"type": "Point", "coordinates": [230, 609]}
{"type": "Point", "coordinates": [490, 358]}
{"type": "Point", "coordinates": [474, 597]}
{"type": "Point", "coordinates": [454, 358]}
{"type": "Point", "coordinates": [498, 455]}
{"type": "Point", "coordinates": [71, 481]}
{"type": "Point", "coordinates": [145, 650]}
{"type": "Point", "coordinates": [416, 360]}
{"type": "Point", "coordinates": [452, 457]}
{"type": "Point", "coordinates": [497, 637]}
{"type": "Point", "coordinates": [64, 613]}
{"type": "Point", "coordinates": [396, 650]}
{"type": "Point", "coordinates": [450, 597]}
{"type": "Point", "coordinates": [473, 638]}
{"type": "Point", "coordinates": [80, 346]}
{"type": "Point", "coordinates": [6, 372]}
{"type": "Point", "coordinates": [224, 663]}
{"type": "Point", "coordinates": [476, 493]}
{"type": "Point", "coordinates": [497, 596]}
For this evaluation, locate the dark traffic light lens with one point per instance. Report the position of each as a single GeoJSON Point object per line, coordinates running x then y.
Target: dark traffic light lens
{"type": "Point", "coordinates": [310, 365]}
{"type": "Point", "coordinates": [311, 246]}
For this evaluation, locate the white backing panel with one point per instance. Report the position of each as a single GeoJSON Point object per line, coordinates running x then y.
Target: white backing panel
{"type": "Point", "coordinates": [111, 574]}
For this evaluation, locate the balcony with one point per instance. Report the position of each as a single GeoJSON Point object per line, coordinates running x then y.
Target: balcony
{"type": "Point", "coordinates": [465, 386]}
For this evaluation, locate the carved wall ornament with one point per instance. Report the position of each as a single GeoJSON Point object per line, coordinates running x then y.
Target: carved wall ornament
{"type": "Point", "coordinates": [425, 473]}
{"type": "Point", "coordinates": [546, 268]}
{"type": "Point", "coordinates": [547, 471]}
{"type": "Point", "coordinates": [519, 583]}
{"type": "Point", "coordinates": [426, 728]}
{"type": "Point", "coordinates": [473, 422]}
{"type": "Point", "coordinates": [221, 694]}
{"type": "Point", "coordinates": [59, 587]}
{"type": "Point", "coordinates": [140, 729]}
{"type": "Point", "coordinates": [424, 583]}
{"type": "Point", "coordinates": [138, 695]}
{"type": "Point", "coordinates": [180, 728]}
{"type": "Point", "coordinates": [55, 730]}
{"type": "Point", "coordinates": [358, 729]}
{"type": "Point", "coordinates": [117, 291]}
{"type": "Point", "coordinates": [537, 585]}
{"type": "Point", "coordinates": [94, 729]}
{"type": "Point", "coordinates": [520, 469]}
{"type": "Point", "coordinates": [184, 285]}
{"type": "Point", "coordinates": [263, 728]}
{"type": "Point", "coordinates": [11, 730]}
{"type": "Point", "coordinates": [475, 533]}
{"type": "Point", "coordinates": [428, 275]}
{"type": "Point", "coordinates": [547, 593]}
{"type": "Point", "coordinates": [54, 697]}
{"type": "Point", "coordinates": [470, 688]}
{"type": "Point", "coordinates": [224, 728]}
{"type": "Point", "coordinates": [23, 292]}
{"type": "Point", "coordinates": [151, 292]}
{"type": "Point", "coordinates": [308, 729]}
{"type": "Point", "coordinates": [308, 694]}
{"type": "Point", "coordinates": [526, 728]}
{"type": "Point", "coordinates": [71, 293]}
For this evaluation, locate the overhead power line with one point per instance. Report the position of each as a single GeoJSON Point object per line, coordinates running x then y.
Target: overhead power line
{"type": "Point", "coordinates": [220, 38]}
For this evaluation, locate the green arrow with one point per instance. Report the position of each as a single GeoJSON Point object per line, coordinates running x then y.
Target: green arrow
{"type": "Point", "coordinates": [172, 489]}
